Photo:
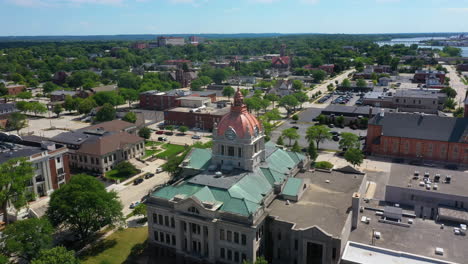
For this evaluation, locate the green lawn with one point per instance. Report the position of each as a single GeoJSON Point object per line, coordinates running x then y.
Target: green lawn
{"type": "Point", "coordinates": [116, 248]}
{"type": "Point", "coordinates": [114, 175]}
{"type": "Point", "coordinates": [153, 143]}
{"type": "Point", "coordinates": [150, 152]}
{"type": "Point", "coordinates": [170, 150]}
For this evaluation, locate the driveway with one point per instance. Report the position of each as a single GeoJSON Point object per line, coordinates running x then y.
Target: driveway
{"type": "Point", "coordinates": [457, 84]}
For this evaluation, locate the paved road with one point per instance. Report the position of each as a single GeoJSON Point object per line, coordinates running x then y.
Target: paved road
{"type": "Point", "coordinates": [323, 87]}
{"type": "Point", "coordinates": [457, 84]}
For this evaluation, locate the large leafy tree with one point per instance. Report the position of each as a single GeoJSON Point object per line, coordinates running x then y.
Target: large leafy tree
{"type": "Point", "coordinates": [354, 156]}
{"type": "Point", "coordinates": [349, 140]}
{"type": "Point", "coordinates": [56, 255]}
{"type": "Point", "coordinates": [289, 102]}
{"type": "Point", "coordinates": [109, 97]}
{"type": "Point", "coordinates": [291, 134]}
{"type": "Point", "coordinates": [106, 113]}
{"type": "Point", "coordinates": [84, 206]}
{"type": "Point", "coordinates": [129, 95]}
{"type": "Point", "coordinates": [145, 133]}
{"type": "Point", "coordinates": [130, 117]}
{"type": "Point", "coordinates": [318, 134]}
{"type": "Point", "coordinates": [17, 121]}
{"type": "Point", "coordinates": [28, 237]}
{"type": "Point", "coordinates": [228, 91]}
{"type": "Point", "coordinates": [15, 176]}
{"type": "Point", "coordinates": [85, 106]}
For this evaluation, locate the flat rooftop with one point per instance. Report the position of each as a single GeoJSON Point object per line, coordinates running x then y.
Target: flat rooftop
{"type": "Point", "coordinates": [355, 110]}
{"type": "Point", "coordinates": [418, 93]}
{"type": "Point", "coordinates": [11, 150]}
{"type": "Point", "coordinates": [401, 175]}
{"type": "Point", "coordinates": [325, 205]}
{"type": "Point", "coordinates": [194, 98]}
{"type": "Point", "coordinates": [206, 111]}
{"type": "Point", "coordinates": [420, 238]}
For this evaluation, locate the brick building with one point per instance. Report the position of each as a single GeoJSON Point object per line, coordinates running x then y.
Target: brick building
{"type": "Point", "coordinates": [174, 41]}
{"type": "Point", "coordinates": [140, 45]}
{"type": "Point", "coordinates": [50, 161]}
{"type": "Point", "coordinates": [420, 137]}
{"type": "Point", "coordinates": [60, 95]}
{"type": "Point", "coordinates": [203, 118]}
{"type": "Point", "coordinates": [156, 100]}
{"type": "Point", "coordinates": [15, 89]}
{"type": "Point", "coordinates": [424, 75]}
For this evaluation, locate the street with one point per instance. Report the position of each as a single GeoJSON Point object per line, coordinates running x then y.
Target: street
{"type": "Point", "coordinates": [457, 84]}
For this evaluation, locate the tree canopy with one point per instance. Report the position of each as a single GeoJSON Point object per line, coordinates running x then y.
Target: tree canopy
{"type": "Point", "coordinates": [84, 206]}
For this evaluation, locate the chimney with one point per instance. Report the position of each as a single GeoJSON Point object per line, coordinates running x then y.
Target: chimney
{"type": "Point", "coordinates": [355, 210]}
{"type": "Point", "coordinates": [370, 112]}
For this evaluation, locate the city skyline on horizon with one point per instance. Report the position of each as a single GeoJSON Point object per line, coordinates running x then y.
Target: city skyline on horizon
{"type": "Point", "coordinates": [135, 17]}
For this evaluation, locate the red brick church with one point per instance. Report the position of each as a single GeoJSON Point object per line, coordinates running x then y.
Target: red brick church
{"type": "Point", "coordinates": [419, 137]}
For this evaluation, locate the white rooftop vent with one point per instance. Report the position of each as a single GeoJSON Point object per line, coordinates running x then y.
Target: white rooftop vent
{"type": "Point", "coordinates": [377, 234]}
{"type": "Point", "coordinates": [382, 112]}
{"type": "Point", "coordinates": [218, 174]}
{"type": "Point", "coordinates": [439, 251]}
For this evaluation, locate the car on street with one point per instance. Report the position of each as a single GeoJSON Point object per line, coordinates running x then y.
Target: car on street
{"type": "Point", "coordinates": [162, 138]}
{"type": "Point", "coordinates": [160, 132]}
{"type": "Point", "coordinates": [336, 138]}
{"type": "Point", "coordinates": [169, 133]}
{"type": "Point", "coordinates": [137, 181]}
{"type": "Point", "coordinates": [133, 205]}
{"type": "Point", "coordinates": [196, 137]}
{"type": "Point", "coordinates": [149, 175]}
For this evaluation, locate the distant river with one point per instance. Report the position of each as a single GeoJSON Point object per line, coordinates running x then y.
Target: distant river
{"type": "Point", "coordinates": [417, 41]}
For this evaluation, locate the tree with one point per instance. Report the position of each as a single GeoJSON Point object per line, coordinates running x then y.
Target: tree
{"type": "Point", "coordinates": [228, 91]}
{"type": "Point", "coordinates": [322, 119]}
{"type": "Point", "coordinates": [28, 237]}
{"type": "Point", "coordinates": [130, 117]}
{"type": "Point", "coordinates": [312, 151]}
{"type": "Point", "coordinates": [340, 120]}
{"type": "Point", "coordinates": [56, 255]}
{"type": "Point", "coordinates": [129, 95]}
{"type": "Point", "coordinates": [205, 80]}
{"type": "Point", "coordinates": [71, 103]}
{"type": "Point", "coordinates": [244, 92]}
{"type": "Point", "coordinates": [49, 87]}
{"type": "Point", "coordinates": [450, 103]}
{"type": "Point", "coordinates": [84, 206]}
{"type": "Point", "coordinates": [140, 209]}
{"type": "Point", "coordinates": [349, 140]}
{"type": "Point", "coordinates": [361, 83]}
{"type": "Point", "coordinates": [196, 85]}
{"type": "Point", "coordinates": [58, 109]}
{"type": "Point", "coordinates": [452, 51]}
{"type": "Point", "coordinates": [459, 112]}
{"type": "Point", "coordinates": [38, 108]}
{"type": "Point", "coordinates": [145, 133]}
{"type": "Point", "coordinates": [183, 129]}
{"type": "Point", "coordinates": [253, 104]}
{"type": "Point", "coordinates": [125, 169]}
{"type": "Point", "coordinates": [346, 83]}
{"type": "Point", "coordinates": [280, 141]}
{"type": "Point", "coordinates": [85, 106]}
{"type": "Point", "coordinates": [17, 121]}
{"type": "Point", "coordinates": [291, 134]}
{"type": "Point", "coordinates": [260, 260]}
{"type": "Point", "coordinates": [219, 75]}
{"type": "Point", "coordinates": [301, 97]}
{"type": "Point", "coordinates": [318, 134]}
{"type": "Point", "coordinates": [106, 113]}
{"type": "Point", "coordinates": [295, 118]}
{"type": "Point", "coordinates": [297, 85]}
{"type": "Point", "coordinates": [273, 114]}
{"type": "Point", "coordinates": [319, 76]}
{"type": "Point", "coordinates": [289, 102]}
{"type": "Point", "coordinates": [109, 97]}
{"type": "Point", "coordinates": [296, 147]}
{"type": "Point", "coordinates": [451, 93]}
{"type": "Point", "coordinates": [170, 127]}
{"type": "Point", "coordinates": [172, 165]}
{"type": "Point", "coordinates": [272, 98]}
{"type": "Point", "coordinates": [25, 95]}
{"type": "Point", "coordinates": [354, 156]}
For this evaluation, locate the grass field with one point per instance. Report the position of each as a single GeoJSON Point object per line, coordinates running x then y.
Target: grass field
{"type": "Point", "coordinates": [116, 248]}
{"type": "Point", "coordinates": [153, 143]}
{"type": "Point", "coordinates": [170, 150]}
{"type": "Point", "coordinates": [149, 152]}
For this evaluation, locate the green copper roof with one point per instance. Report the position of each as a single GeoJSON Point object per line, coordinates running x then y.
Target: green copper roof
{"type": "Point", "coordinates": [245, 196]}
{"type": "Point", "coordinates": [199, 159]}
{"type": "Point", "coordinates": [292, 187]}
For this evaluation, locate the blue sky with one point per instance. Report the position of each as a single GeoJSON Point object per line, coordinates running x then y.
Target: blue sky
{"type": "Point", "coordinates": [108, 17]}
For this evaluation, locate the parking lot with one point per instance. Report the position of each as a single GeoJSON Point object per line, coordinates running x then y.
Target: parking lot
{"type": "Point", "coordinates": [302, 128]}
{"type": "Point", "coordinates": [343, 98]}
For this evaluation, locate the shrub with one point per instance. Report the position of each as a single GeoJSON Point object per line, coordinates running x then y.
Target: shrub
{"type": "Point", "coordinates": [323, 165]}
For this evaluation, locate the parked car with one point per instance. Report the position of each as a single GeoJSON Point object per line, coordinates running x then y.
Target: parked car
{"type": "Point", "coordinates": [331, 125]}
{"type": "Point", "coordinates": [160, 132]}
{"type": "Point", "coordinates": [137, 181]}
{"type": "Point", "coordinates": [295, 127]}
{"type": "Point", "coordinates": [162, 138]}
{"type": "Point", "coordinates": [149, 175]}
{"type": "Point", "coordinates": [336, 138]}
{"type": "Point", "coordinates": [196, 137]}
{"type": "Point", "coordinates": [169, 133]}
{"type": "Point", "coordinates": [159, 170]}
{"type": "Point", "coordinates": [133, 205]}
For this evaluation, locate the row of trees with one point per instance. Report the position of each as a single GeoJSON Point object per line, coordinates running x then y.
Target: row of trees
{"type": "Point", "coordinates": [315, 135]}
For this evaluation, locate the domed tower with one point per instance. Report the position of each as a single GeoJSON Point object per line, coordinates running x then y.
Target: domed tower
{"type": "Point", "coordinates": [238, 139]}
